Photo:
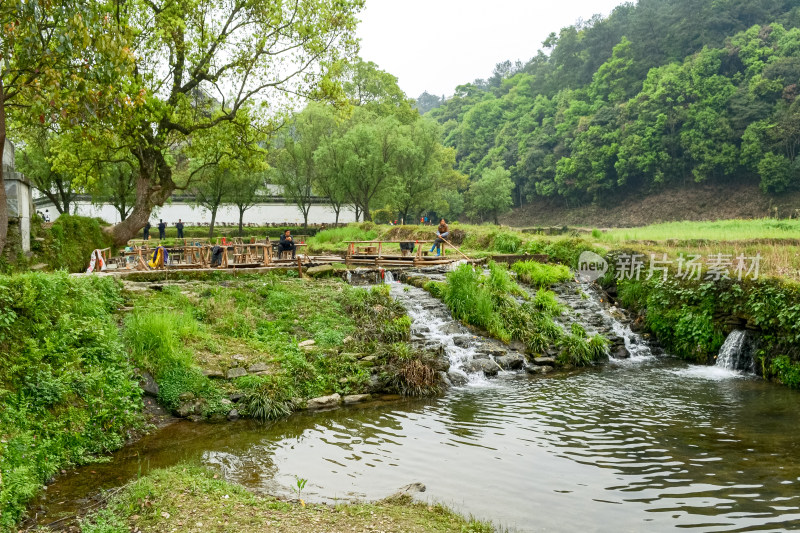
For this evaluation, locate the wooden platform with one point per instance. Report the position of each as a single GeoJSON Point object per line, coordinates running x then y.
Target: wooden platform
{"type": "Point", "coordinates": [382, 253]}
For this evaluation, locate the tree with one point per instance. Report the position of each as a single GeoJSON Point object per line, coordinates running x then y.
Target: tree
{"type": "Point", "coordinates": [34, 162]}
{"type": "Point", "coordinates": [204, 63]}
{"type": "Point", "coordinates": [213, 188]}
{"type": "Point", "coordinates": [246, 187]}
{"type": "Point", "coordinates": [490, 196]}
{"type": "Point", "coordinates": [370, 147]}
{"type": "Point", "coordinates": [294, 167]}
{"type": "Point", "coordinates": [117, 185]}
{"type": "Point", "coordinates": [54, 56]}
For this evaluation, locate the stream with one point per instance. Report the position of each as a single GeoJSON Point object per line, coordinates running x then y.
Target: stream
{"type": "Point", "coordinates": [646, 443]}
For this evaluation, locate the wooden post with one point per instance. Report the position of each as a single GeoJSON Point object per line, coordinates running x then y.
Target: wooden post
{"type": "Point", "coordinates": [299, 267]}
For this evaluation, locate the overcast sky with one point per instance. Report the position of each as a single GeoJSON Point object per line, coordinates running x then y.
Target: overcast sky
{"type": "Point", "coordinates": [435, 45]}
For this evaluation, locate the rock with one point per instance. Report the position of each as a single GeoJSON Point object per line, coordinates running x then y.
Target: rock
{"type": "Point", "coordinates": [453, 328]}
{"type": "Point", "coordinates": [370, 358]}
{"type": "Point", "coordinates": [356, 398]}
{"type": "Point", "coordinates": [226, 402]}
{"type": "Point", "coordinates": [186, 397]}
{"type": "Point", "coordinates": [445, 380]}
{"type": "Point", "coordinates": [620, 352]}
{"type": "Point", "coordinates": [320, 271]}
{"type": "Point", "coordinates": [457, 377]}
{"type": "Point", "coordinates": [324, 402]}
{"type": "Point", "coordinates": [233, 414]}
{"type": "Point", "coordinates": [307, 345]}
{"type": "Point", "coordinates": [214, 374]}
{"type": "Point", "coordinates": [347, 340]}
{"type": "Point", "coordinates": [495, 350]}
{"type": "Point", "coordinates": [374, 384]}
{"type": "Point", "coordinates": [487, 366]}
{"type": "Point", "coordinates": [536, 369]}
{"type": "Point", "coordinates": [518, 346]}
{"type": "Point", "coordinates": [237, 372]}
{"type": "Point", "coordinates": [235, 397]}
{"type": "Point", "coordinates": [408, 490]}
{"type": "Point", "coordinates": [191, 407]}
{"type": "Point", "coordinates": [510, 361]}
{"type": "Point", "coordinates": [462, 341]}
{"type": "Point", "coordinates": [149, 385]}
{"type": "Point", "coordinates": [258, 367]}
{"type": "Point", "coordinates": [544, 361]}
{"type": "Point", "coordinates": [39, 266]}
{"type": "Point", "coordinates": [195, 418]}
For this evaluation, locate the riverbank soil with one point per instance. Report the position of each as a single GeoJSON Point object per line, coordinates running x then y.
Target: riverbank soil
{"type": "Point", "coordinates": [191, 499]}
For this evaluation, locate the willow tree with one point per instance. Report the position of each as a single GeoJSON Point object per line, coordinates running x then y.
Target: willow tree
{"type": "Point", "coordinates": [60, 60]}
{"type": "Point", "coordinates": [203, 63]}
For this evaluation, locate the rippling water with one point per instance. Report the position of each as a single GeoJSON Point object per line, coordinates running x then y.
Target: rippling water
{"type": "Point", "coordinates": [641, 446]}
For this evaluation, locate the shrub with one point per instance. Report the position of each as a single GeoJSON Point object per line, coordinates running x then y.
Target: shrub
{"type": "Point", "coordinates": [71, 240]}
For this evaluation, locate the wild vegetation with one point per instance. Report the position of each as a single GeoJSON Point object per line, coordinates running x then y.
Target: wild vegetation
{"type": "Point", "coordinates": [67, 388]}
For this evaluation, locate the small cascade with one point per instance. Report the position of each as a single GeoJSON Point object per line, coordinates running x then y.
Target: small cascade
{"type": "Point", "coordinates": [737, 352]}
{"type": "Point", "coordinates": [471, 357]}
{"type": "Point", "coordinates": [387, 276]}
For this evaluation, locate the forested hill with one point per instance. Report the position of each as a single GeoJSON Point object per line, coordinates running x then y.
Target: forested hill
{"type": "Point", "coordinates": [659, 94]}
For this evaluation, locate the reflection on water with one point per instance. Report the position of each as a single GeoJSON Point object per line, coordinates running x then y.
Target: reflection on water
{"type": "Point", "coordinates": [653, 447]}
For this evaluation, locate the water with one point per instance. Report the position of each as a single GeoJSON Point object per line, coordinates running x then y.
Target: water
{"type": "Point", "coordinates": [637, 447]}
{"type": "Point", "coordinates": [645, 444]}
{"type": "Point", "coordinates": [736, 352]}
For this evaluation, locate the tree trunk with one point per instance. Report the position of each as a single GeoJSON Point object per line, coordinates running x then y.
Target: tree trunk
{"type": "Point", "coordinates": [3, 199]}
{"type": "Point", "coordinates": [336, 210]}
{"type": "Point", "coordinates": [154, 186]}
{"type": "Point", "coordinates": [211, 226]}
{"type": "Point", "coordinates": [305, 216]}
{"type": "Point", "coordinates": [241, 218]}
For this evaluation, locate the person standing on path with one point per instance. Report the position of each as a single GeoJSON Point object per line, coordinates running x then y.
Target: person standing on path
{"type": "Point", "coordinates": [146, 233]}
{"type": "Point", "coordinates": [179, 227]}
{"type": "Point", "coordinates": [162, 229]}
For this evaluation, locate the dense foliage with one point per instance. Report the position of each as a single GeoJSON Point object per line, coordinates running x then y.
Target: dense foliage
{"type": "Point", "coordinates": [67, 391]}
{"type": "Point", "coordinates": [654, 95]}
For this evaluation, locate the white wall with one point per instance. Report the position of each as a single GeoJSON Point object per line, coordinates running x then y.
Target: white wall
{"type": "Point", "coordinates": [227, 215]}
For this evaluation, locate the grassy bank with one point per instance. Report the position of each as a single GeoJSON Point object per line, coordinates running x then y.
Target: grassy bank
{"type": "Point", "coordinates": [295, 338]}
{"type": "Point", "coordinates": [185, 498]}
{"type": "Point", "coordinates": [67, 390]}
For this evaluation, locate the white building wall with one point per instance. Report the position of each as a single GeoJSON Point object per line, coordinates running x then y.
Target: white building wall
{"type": "Point", "coordinates": [227, 215]}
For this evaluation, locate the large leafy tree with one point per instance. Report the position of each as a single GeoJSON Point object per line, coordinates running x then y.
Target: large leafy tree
{"type": "Point", "coordinates": [294, 168]}
{"type": "Point", "coordinates": [490, 196]}
{"type": "Point", "coordinates": [60, 60]}
{"type": "Point", "coordinates": [34, 162]}
{"type": "Point", "coordinates": [202, 64]}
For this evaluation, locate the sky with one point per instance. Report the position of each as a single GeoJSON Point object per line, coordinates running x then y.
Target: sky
{"type": "Point", "coordinates": [435, 45]}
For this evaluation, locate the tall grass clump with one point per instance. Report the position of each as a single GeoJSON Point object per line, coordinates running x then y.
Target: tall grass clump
{"type": "Point", "coordinates": [334, 238]}
{"type": "Point", "coordinates": [156, 339]}
{"type": "Point", "coordinates": [540, 274]}
{"type": "Point", "coordinates": [507, 243]}
{"type": "Point", "coordinates": [578, 349]}
{"type": "Point", "coordinates": [470, 300]}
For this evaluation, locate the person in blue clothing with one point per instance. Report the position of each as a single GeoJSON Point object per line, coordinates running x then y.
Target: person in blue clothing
{"type": "Point", "coordinates": [442, 232]}
{"type": "Point", "coordinates": [287, 243]}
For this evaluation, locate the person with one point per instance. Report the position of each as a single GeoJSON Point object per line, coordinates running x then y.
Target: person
{"type": "Point", "coordinates": [146, 235]}
{"type": "Point", "coordinates": [407, 248]}
{"type": "Point", "coordinates": [287, 243]}
{"type": "Point", "coordinates": [47, 215]}
{"type": "Point", "coordinates": [179, 227]}
{"type": "Point", "coordinates": [162, 229]}
{"type": "Point", "coordinates": [442, 233]}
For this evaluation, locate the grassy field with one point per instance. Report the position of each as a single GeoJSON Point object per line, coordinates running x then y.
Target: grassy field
{"type": "Point", "coordinates": [723, 230]}
{"type": "Point", "coordinates": [191, 499]}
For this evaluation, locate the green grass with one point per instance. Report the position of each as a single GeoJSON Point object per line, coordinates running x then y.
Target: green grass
{"type": "Point", "coordinates": [335, 239]}
{"type": "Point", "coordinates": [723, 230]}
{"type": "Point", "coordinates": [190, 498]}
{"type": "Point", "coordinates": [541, 275]}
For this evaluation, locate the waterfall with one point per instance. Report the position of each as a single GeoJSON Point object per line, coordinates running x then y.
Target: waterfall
{"type": "Point", "coordinates": [737, 352]}
{"type": "Point", "coordinates": [388, 277]}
